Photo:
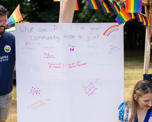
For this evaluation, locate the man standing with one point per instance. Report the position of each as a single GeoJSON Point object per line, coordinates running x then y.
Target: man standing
{"type": "Point", "coordinates": [7, 61]}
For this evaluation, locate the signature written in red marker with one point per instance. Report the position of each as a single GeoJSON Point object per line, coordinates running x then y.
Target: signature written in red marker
{"type": "Point", "coordinates": [77, 64]}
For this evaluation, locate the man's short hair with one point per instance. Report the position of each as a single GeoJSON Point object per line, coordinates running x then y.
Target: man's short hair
{"type": "Point", "coordinates": [3, 11]}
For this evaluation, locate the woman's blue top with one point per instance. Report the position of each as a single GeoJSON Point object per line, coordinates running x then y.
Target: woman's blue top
{"type": "Point", "coordinates": [121, 109]}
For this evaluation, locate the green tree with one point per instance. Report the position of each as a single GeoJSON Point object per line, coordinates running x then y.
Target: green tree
{"type": "Point", "coordinates": [87, 15]}
{"type": "Point", "coordinates": [35, 10]}
{"type": "Point", "coordinates": [41, 10]}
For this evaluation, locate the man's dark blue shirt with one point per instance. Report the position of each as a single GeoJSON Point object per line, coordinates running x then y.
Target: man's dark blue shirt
{"type": "Point", "coordinates": [7, 62]}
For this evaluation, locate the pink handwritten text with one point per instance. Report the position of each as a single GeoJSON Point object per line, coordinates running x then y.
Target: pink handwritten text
{"type": "Point", "coordinates": [35, 91]}
{"type": "Point", "coordinates": [48, 55]}
{"type": "Point", "coordinates": [38, 104]}
{"type": "Point", "coordinates": [72, 49]}
{"type": "Point", "coordinates": [77, 64]}
{"type": "Point", "coordinates": [55, 65]}
{"type": "Point", "coordinates": [89, 89]}
{"type": "Point", "coordinates": [28, 43]}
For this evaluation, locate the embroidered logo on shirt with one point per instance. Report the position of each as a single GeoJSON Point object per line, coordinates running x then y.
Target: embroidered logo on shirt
{"type": "Point", "coordinates": [3, 58]}
{"type": "Point", "coordinates": [7, 48]}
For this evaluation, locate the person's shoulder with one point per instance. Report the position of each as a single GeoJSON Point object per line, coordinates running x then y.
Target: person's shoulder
{"type": "Point", "coordinates": [8, 34]}
{"type": "Point", "coordinates": [123, 110]}
{"type": "Point", "coordinates": [123, 104]}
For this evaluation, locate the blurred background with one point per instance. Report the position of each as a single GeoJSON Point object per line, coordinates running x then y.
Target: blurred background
{"type": "Point", "coordinates": [48, 11]}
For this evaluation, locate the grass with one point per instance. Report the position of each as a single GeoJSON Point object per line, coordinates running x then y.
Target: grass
{"type": "Point", "coordinates": [133, 72]}
{"type": "Point", "coordinates": [134, 65]}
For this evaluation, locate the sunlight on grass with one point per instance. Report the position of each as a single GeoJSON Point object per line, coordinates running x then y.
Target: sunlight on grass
{"type": "Point", "coordinates": [133, 72]}
{"type": "Point", "coordinates": [14, 93]}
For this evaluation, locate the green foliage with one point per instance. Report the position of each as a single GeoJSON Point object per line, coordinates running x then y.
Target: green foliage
{"type": "Point", "coordinates": [87, 15]}
{"type": "Point", "coordinates": [35, 10]}
{"type": "Point", "coordinates": [41, 11]}
{"type": "Point", "coordinates": [134, 35]}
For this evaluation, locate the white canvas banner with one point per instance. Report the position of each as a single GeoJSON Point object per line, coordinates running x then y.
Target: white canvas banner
{"type": "Point", "coordinates": [69, 72]}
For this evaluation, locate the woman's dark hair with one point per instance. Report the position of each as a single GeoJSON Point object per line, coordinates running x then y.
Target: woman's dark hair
{"type": "Point", "coordinates": [3, 11]}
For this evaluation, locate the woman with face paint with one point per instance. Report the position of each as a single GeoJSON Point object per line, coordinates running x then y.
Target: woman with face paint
{"type": "Point", "coordinates": [7, 61]}
{"type": "Point", "coordinates": [139, 109]}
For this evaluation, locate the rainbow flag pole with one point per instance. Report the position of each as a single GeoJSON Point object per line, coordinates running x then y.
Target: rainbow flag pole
{"type": "Point", "coordinates": [15, 16]}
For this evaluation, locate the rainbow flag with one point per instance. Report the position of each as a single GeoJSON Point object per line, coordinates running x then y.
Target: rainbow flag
{"type": "Point", "coordinates": [134, 6]}
{"type": "Point", "coordinates": [132, 15]}
{"type": "Point", "coordinates": [104, 7]}
{"type": "Point", "coordinates": [115, 8]}
{"type": "Point", "coordinates": [92, 4]}
{"type": "Point", "coordinates": [76, 6]}
{"type": "Point", "coordinates": [15, 16]}
{"type": "Point", "coordinates": [139, 17]}
{"type": "Point", "coordinates": [122, 16]}
{"type": "Point", "coordinates": [146, 21]}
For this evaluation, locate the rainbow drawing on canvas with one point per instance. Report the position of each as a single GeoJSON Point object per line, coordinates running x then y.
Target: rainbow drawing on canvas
{"type": "Point", "coordinates": [139, 17]}
{"type": "Point", "coordinates": [76, 6]}
{"type": "Point", "coordinates": [115, 8]}
{"type": "Point", "coordinates": [134, 6]}
{"type": "Point", "coordinates": [104, 7]}
{"type": "Point", "coordinates": [92, 4]}
{"type": "Point", "coordinates": [111, 29]}
{"type": "Point", "coordinates": [15, 16]}
{"type": "Point", "coordinates": [122, 16]}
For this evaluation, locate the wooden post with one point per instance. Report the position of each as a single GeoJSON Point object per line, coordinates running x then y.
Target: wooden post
{"type": "Point", "coordinates": [147, 45]}
{"type": "Point", "coordinates": [150, 17]}
{"type": "Point", "coordinates": [66, 11]}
